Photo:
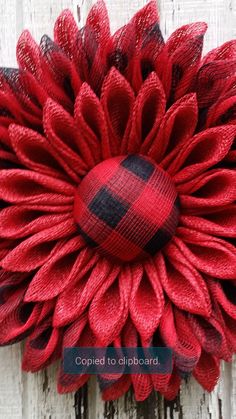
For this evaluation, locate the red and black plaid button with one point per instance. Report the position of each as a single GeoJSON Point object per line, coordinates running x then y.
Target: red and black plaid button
{"type": "Point", "coordinates": [127, 208]}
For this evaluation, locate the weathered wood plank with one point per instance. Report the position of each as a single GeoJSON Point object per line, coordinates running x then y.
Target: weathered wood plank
{"type": "Point", "coordinates": [9, 31]}
{"type": "Point", "coordinates": [11, 382]}
{"type": "Point", "coordinates": [34, 396]}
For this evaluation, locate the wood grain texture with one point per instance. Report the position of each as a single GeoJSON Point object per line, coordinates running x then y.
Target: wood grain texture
{"type": "Point", "coordinates": [28, 396]}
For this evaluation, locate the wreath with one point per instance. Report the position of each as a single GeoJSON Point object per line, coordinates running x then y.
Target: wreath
{"type": "Point", "coordinates": [117, 198]}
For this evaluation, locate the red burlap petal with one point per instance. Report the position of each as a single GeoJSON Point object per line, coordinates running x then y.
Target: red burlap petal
{"type": "Point", "coordinates": [6, 245]}
{"type": "Point", "coordinates": [61, 270]}
{"type": "Point", "coordinates": [204, 151]}
{"type": "Point", "coordinates": [98, 22]}
{"type": "Point", "coordinates": [74, 300]}
{"type": "Point", "coordinates": [47, 308]}
{"type": "Point", "coordinates": [78, 334]}
{"type": "Point", "coordinates": [90, 119]}
{"type": "Point", "coordinates": [28, 54]}
{"type": "Point", "coordinates": [12, 290]}
{"type": "Point", "coordinates": [62, 133]}
{"type": "Point", "coordinates": [109, 308]}
{"type": "Point", "coordinates": [180, 59]}
{"type": "Point", "coordinates": [210, 255]}
{"type": "Point", "coordinates": [7, 159]}
{"type": "Point", "coordinates": [230, 329]}
{"type": "Point", "coordinates": [19, 323]}
{"type": "Point", "coordinates": [25, 186]}
{"type": "Point", "coordinates": [177, 334]}
{"type": "Point", "coordinates": [59, 74]}
{"type": "Point", "coordinates": [118, 389]}
{"type": "Point", "coordinates": [219, 223]}
{"type": "Point", "coordinates": [35, 152]}
{"type": "Point", "coordinates": [222, 112]}
{"type": "Point", "coordinates": [21, 221]}
{"type": "Point", "coordinates": [22, 97]}
{"type": "Point", "coordinates": [42, 347]}
{"type": "Point", "coordinates": [66, 32]}
{"type": "Point", "coordinates": [148, 112]}
{"type": "Point", "coordinates": [223, 52]}
{"type": "Point", "coordinates": [209, 191]}
{"type": "Point", "coordinates": [146, 300]}
{"type": "Point", "coordinates": [173, 387]}
{"type": "Point", "coordinates": [207, 371]}
{"type": "Point", "coordinates": [142, 383]}
{"type": "Point", "coordinates": [183, 283]}
{"type": "Point", "coordinates": [177, 127]}
{"type": "Point", "coordinates": [117, 99]}
{"type": "Point", "coordinates": [210, 83]}
{"type": "Point", "coordinates": [34, 251]}
{"type": "Point", "coordinates": [224, 292]}
{"type": "Point", "coordinates": [149, 43]}
{"type": "Point", "coordinates": [211, 336]}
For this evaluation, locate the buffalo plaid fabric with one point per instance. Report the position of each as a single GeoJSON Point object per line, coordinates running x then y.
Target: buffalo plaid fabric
{"type": "Point", "coordinates": [127, 208]}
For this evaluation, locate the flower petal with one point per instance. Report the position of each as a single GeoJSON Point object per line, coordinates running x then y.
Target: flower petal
{"type": "Point", "coordinates": [205, 150]}
{"type": "Point", "coordinates": [176, 333]}
{"type": "Point", "coordinates": [211, 336]}
{"type": "Point", "coordinates": [222, 112]}
{"type": "Point", "coordinates": [120, 51]}
{"type": "Point", "coordinates": [12, 290]}
{"type": "Point", "coordinates": [147, 300]}
{"type": "Point", "coordinates": [223, 52]}
{"type": "Point", "coordinates": [59, 74]}
{"type": "Point", "coordinates": [109, 308]}
{"type": "Point", "coordinates": [91, 46]}
{"type": "Point", "coordinates": [25, 186]}
{"type": "Point", "coordinates": [209, 254]}
{"type": "Point", "coordinates": [35, 152]}
{"type": "Point", "coordinates": [211, 190]}
{"type": "Point", "coordinates": [219, 223]}
{"type": "Point", "coordinates": [78, 334]}
{"type": "Point", "coordinates": [173, 387]}
{"type": "Point", "coordinates": [182, 283]}
{"type": "Point", "coordinates": [66, 32]}
{"type": "Point", "coordinates": [117, 99]}
{"type": "Point", "coordinates": [74, 300]}
{"type": "Point", "coordinates": [22, 97]}
{"type": "Point", "coordinates": [91, 123]}
{"type": "Point", "coordinates": [182, 54]}
{"type": "Point", "coordinates": [59, 271]}
{"type": "Point", "coordinates": [62, 134]}
{"type": "Point", "coordinates": [98, 22]}
{"type": "Point", "coordinates": [42, 347]}
{"type": "Point", "coordinates": [224, 292]}
{"type": "Point", "coordinates": [28, 56]}
{"type": "Point", "coordinates": [211, 79]}
{"type": "Point", "coordinates": [142, 383]}
{"type": "Point", "coordinates": [149, 43]}
{"type": "Point", "coordinates": [20, 221]}
{"type": "Point", "coordinates": [19, 323]}
{"type": "Point", "coordinates": [177, 127]}
{"type": "Point", "coordinates": [148, 112]}
{"type": "Point", "coordinates": [207, 371]}
{"type": "Point", "coordinates": [230, 329]}
{"type": "Point", "coordinates": [37, 249]}
{"type": "Point", "coordinates": [117, 389]}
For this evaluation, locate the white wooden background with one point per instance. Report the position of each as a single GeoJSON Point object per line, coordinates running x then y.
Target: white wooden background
{"type": "Point", "coordinates": [34, 396]}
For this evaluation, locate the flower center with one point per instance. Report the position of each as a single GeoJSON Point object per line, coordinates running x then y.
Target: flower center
{"type": "Point", "coordinates": [127, 208]}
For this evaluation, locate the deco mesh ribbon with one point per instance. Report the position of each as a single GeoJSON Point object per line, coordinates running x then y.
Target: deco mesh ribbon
{"type": "Point", "coordinates": [117, 198]}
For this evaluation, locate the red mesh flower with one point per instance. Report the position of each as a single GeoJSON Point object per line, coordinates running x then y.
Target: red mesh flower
{"type": "Point", "coordinates": [117, 197]}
